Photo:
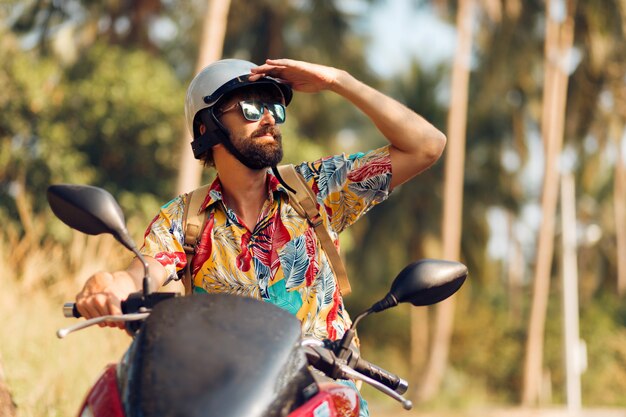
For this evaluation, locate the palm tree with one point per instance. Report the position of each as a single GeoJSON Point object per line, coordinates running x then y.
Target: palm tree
{"type": "Point", "coordinates": [619, 201]}
{"type": "Point", "coordinates": [559, 40]}
{"type": "Point", "coordinates": [453, 199]}
{"type": "Point", "coordinates": [211, 45]}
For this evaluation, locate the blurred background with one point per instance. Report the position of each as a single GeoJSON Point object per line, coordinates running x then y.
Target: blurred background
{"type": "Point", "coordinates": [530, 193]}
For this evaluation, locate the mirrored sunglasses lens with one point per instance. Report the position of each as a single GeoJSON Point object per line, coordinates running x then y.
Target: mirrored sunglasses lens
{"type": "Point", "coordinates": [252, 110]}
{"type": "Point", "coordinates": [278, 112]}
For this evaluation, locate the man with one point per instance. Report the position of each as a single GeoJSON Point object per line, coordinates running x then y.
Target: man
{"type": "Point", "coordinates": [253, 243]}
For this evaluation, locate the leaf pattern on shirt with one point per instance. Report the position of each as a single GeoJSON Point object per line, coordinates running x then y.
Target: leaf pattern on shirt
{"type": "Point", "coordinates": [263, 274]}
{"type": "Point", "coordinates": [227, 279]}
{"type": "Point", "coordinates": [175, 209]}
{"type": "Point", "coordinates": [333, 173]}
{"type": "Point", "coordinates": [225, 240]}
{"type": "Point", "coordinates": [287, 300]}
{"type": "Point", "coordinates": [281, 261]}
{"type": "Point", "coordinates": [325, 286]}
{"type": "Point", "coordinates": [294, 261]}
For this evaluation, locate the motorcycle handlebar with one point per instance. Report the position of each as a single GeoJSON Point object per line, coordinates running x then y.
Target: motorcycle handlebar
{"type": "Point", "coordinates": [325, 360]}
{"type": "Point", "coordinates": [135, 303]}
{"type": "Point", "coordinates": [379, 374]}
{"type": "Point", "coordinates": [70, 310]}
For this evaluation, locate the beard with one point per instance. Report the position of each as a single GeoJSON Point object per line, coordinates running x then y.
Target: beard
{"type": "Point", "coordinates": [261, 154]}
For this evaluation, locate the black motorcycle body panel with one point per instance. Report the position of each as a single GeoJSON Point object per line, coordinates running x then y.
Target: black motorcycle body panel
{"type": "Point", "coordinates": [216, 355]}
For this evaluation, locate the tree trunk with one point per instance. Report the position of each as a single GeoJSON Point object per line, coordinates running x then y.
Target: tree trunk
{"type": "Point", "coordinates": [569, 271]}
{"type": "Point", "coordinates": [453, 200]}
{"type": "Point", "coordinates": [619, 202]}
{"type": "Point", "coordinates": [559, 39]}
{"type": "Point", "coordinates": [211, 46]}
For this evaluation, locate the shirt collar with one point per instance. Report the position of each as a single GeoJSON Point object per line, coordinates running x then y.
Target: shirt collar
{"type": "Point", "coordinates": [215, 190]}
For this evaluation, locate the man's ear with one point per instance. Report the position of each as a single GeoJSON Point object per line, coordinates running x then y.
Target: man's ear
{"type": "Point", "coordinates": [202, 129]}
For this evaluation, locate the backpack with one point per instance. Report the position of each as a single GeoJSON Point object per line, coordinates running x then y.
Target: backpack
{"type": "Point", "coordinates": [302, 200]}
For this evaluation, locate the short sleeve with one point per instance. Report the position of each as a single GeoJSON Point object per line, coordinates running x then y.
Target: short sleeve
{"type": "Point", "coordinates": [348, 186]}
{"type": "Point", "coordinates": [164, 236]}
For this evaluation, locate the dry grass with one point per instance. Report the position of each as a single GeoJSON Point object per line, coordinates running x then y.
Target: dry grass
{"type": "Point", "coordinates": [48, 376]}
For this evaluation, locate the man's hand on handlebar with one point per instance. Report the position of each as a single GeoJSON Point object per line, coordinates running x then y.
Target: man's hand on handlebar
{"type": "Point", "coordinates": [104, 291]}
{"type": "Point", "coordinates": [102, 295]}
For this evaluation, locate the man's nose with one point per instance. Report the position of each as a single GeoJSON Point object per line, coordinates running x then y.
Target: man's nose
{"type": "Point", "coordinates": [266, 117]}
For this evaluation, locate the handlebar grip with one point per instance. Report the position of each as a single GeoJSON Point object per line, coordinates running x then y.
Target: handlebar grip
{"type": "Point", "coordinates": [70, 310]}
{"type": "Point", "coordinates": [386, 378]}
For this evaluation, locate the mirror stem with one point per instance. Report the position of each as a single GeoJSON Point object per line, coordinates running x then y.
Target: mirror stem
{"type": "Point", "coordinates": [146, 272]}
{"type": "Point", "coordinates": [343, 349]}
{"type": "Point", "coordinates": [359, 317]}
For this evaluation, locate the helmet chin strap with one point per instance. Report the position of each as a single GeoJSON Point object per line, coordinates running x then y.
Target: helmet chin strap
{"type": "Point", "coordinates": [240, 157]}
{"type": "Point", "coordinates": [217, 133]}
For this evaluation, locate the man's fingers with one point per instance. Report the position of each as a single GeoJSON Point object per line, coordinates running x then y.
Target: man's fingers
{"type": "Point", "coordinates": [114, 305]}
{"type": "Point", "coordinates": [99, 305]}
{"type": "Point", "coordinates": [272, 67]}
{"type": "Point", "coordinates": [284, 62]}
{"type": "Point", "coordinates": [94, 305]}
{"type": "Point", "coordinates": [264, 71]}
{"type": "Point", "coordinates": [86, 310]}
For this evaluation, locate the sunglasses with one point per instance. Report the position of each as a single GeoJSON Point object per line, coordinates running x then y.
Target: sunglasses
{"type": "Point", "coordinates": [253, 110]}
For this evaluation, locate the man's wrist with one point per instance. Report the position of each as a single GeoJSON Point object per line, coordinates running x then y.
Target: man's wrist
{"type": "Point", "coordinates": [341, 82]}
{"type": "Point", "coordinates": [127, 280]}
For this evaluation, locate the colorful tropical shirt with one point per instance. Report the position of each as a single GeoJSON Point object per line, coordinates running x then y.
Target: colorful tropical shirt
{"type": "Point", "coordinates": [281, 260]}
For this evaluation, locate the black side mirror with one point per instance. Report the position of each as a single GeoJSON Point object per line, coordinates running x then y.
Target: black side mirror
{"type": "Point", "coordinates": [93, 211]}
{"type": "Point", "coordinates": [423, 283]}
{"type": "Point", "coordinates": [90, 210]}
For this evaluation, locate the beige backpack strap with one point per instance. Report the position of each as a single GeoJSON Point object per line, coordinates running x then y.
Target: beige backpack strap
{"type": "Point", "coordinates": [303, 201]}
{"type": "Point", "coordinates": [193, 220]}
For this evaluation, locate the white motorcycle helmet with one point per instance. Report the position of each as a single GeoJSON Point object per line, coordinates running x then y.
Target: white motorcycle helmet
{"type": "Point", "coordinates": [206, 90]}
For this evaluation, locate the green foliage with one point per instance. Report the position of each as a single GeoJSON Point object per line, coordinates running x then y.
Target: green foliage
{"type": "Point", "coordinates": [603, 328]}
{"type": "Point", "coordinates": [126, 108]}
{"type": "Point", "coordinates": [36, 150]}
{"type": "Point", "coordinates": [111, 119]}
{"type": "Point", "coordinates": [489, 348]}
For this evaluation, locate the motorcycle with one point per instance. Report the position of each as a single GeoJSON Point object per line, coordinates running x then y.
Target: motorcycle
{"type": "Point", "coordinates": [225, 355]}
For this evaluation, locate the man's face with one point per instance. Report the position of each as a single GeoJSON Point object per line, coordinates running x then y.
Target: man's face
{"type": "Point", "coordinates": [259, 141]}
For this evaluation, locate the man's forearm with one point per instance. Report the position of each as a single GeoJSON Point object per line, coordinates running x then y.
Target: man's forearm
{"type": "Point", "coordinates": [135, 271]}
{"type": "Point", "coordinates": [416, 143]}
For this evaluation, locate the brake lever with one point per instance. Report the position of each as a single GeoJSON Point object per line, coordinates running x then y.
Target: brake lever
{"type": "Point", "coordinates": [324, 359]}
{"type": "Point", "coordinates": [61, 333]}
{"type": "Point", "coordinates": [349, 373]}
